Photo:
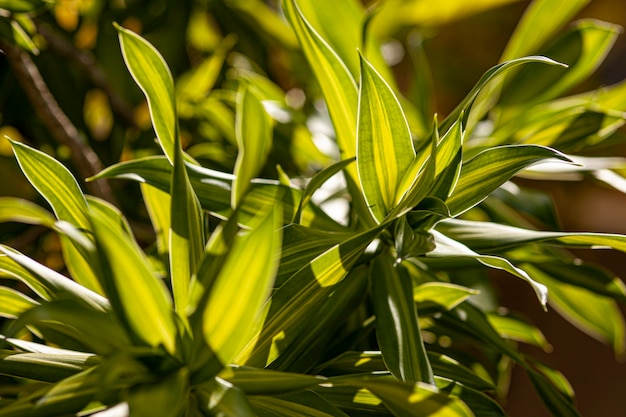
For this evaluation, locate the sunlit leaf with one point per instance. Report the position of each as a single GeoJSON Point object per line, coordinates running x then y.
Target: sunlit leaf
{"type": "Point", "coordinates": [444, 294]}
{"type": "Point", "coordinates": [256, 381]}
{"type": "Point", "coordinates": [447, 247]}
{"type": "Point", "coordinates": [337, 84]}
{"type": "Point", "coordinates": [186, 235]}
{"type": "Point", "coordinates": [596, 315]}
{"type": "Point", "coordinates": [149, 321]}
{"type": "Point", "coordinates": [19, 210]}
{"type": "Point", "coordinates": [489, 76]}
{"type": "Point", "coordinates": [55, 183]}
{"type": "Point", "coordinates": [13, 303]}
{"type": "Point", "coordinates": [397, 327]}
{"type": "Point", "coordinates": [45, 282]}
{"type": "Point", "coordinates": [213, 189]}
{"type": "Point", "coordinates": [44, 367]}
{"type": "Point", "coordinates": [521, 331]}
{"type": "Point", "coordinates": [539, 25]}
{"type": "Point", "coordinates": [583, 48]}
{"type": "Point", "coordinates": [481, 175]}
{"type": "Point", "coordinates": [489, 236]}
{"type": "Point", "coordinates": [254, 139]}
{"type": "Point", "coordinates": [150, 72]}
{"type": "Point", "coordinates": [297, 300]}
{"type": "Point", "coordinates": [384, 145]}
{"type": "Point", "coordinates": [246, 276]}
{"type": "Point", "coordinates": [167, 396]}
{"type": "Point", "coordinates": [408, 400]}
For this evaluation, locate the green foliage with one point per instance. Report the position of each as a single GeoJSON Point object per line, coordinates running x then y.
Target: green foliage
{"type": "Point", "coordinates": [252, 297]}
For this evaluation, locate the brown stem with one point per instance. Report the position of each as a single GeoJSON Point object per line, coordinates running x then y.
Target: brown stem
{"type": "Point", "coordinates": [56, 121]}
{"type": "Point", "coordinates": [87, 63]}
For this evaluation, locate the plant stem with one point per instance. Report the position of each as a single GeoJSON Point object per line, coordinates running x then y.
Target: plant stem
{"type": "Point", "coordinates": [56, 121]}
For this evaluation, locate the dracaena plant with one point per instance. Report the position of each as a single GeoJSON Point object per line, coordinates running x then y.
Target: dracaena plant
{"type": "Point", "coordinates": [255, 301]}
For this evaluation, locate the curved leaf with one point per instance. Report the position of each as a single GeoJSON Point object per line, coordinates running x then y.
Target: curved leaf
{"type": "Point", "coordinates": [384, 145]}
{"type": "Point", "coordinates": [484, 173]}
{"type": "Point", "coordinates": [447, 247]}
{"type": "Point", "coordinates": [338, 86]}
{"type": "Point", "coordinates": [55, 183]}
{"type": "Point", "coordinates": [254, 140]}
{"type": "Point", "coordinates": [397, 327]}
{"type": "Point", "coordinates": [149, 321]}
{"type": "Point", "coordinates": [150, 72]}
{"type": "Point", "coordinates": [247, 276]}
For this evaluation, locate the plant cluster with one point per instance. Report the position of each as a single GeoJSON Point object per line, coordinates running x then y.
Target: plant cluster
{"type": "Point", "coordinates": [256, 298]}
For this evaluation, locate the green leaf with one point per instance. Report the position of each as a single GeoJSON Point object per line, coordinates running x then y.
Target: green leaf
{"type": "Point", "coordinates": [151, 73]}
{"type": "Point", "coordinates": [469, 320]}
{"type": "Point", "coordinates": [407, 400]}
{"type": "Point", "coordinates": [55, 183]}
{"type": "Point", "coordinates": [186, 244]}
{"type": "Point", "coordinates": [489, 76]}
{"type": "Point", "coordinates": [149, 321]}
{"type": "Point", "coordinates": [246, 276]}
{"type": "Point", "coordinates": [397, 327]}
{"type": "Point", "coordinates": [14, 209]}
{"type": "Point", "coordinates": [97, 330]}
{"type": "Point", "coordinates": [384, 145]}
{"type": "Point", "coordinates": [167, 396]}
{"type": "Point", "coordinates": [484, 173]}
{"type": "Point", "coordinates": [337, 84]}
{"type": "Point", "coordinates": [481, 404]}
{"type": "Point", "coordinates": [303, 404]}
{"type": "Point", "coordinates": [256, 381]}
{"type": "Point", "coordinates": [558, 403]}
{"type": "Point", "coordinates": [521, 331]}
{"type": "Point", "coordinates": [447, 247]}
{"type": "Point", "coordinates": [443, 294]}
{"type": "Point", "coordinates": [449, 161]}
{"type": "Point", "coordinates": [220, 397]}
{"type": "Point", "coordinates": [298, 299]}
{"type": "Point", "coordinates": [596, 315]}
{"type": "Point", "coordinates": [355, 401]}
{"type": "Point", "coordinates": [395, 15]}
{"type": "Point", "coordinates": [65, 397]}
{"type": "Point", "coordinates": [318, 330]}
{"type": "Point", "coordinates": [583, 48]}
{"type": "Point", "coordinates": [447, 367]}
{"type": "Point", "coordinates": [572, 128]}
{"type": "Point", "coordinates": [254, 139]}
{"type": "Point", "coordinates": [541, 21]}
{"type": "Point", "coordinates": [22, 6]}
{"type": "Point", "coordinates": [489, 236]}
{"type": "Point", "coordinates": [13, 303]}
{"type": "Point", "coordinates": [47, 283]}
{"type": "Point", "coordinates": [316, 182]}
{"type": "Point", "coordinates": [213, 189]}
{"type": "Point", "coordinates": [44, 366]}
{"type": "Point", "coordinates": [158, 205]}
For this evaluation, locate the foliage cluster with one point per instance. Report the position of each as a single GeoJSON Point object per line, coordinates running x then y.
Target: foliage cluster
{"type": "Point", "coordinates": [298, 294]}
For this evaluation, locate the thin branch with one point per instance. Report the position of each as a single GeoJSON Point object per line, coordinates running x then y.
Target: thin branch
{"type": "Point", "coordinates": [56, 121]}
{"type": "Point", "coordinates": [88, 64]}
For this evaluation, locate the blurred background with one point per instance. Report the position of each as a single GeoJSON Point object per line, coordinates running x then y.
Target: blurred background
{"type": "Point", "coordinates": [80, 60]}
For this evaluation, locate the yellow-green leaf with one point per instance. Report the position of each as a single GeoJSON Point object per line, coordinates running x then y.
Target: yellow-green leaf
{"type": "Point", "coordinates": [150, 72]}
{"type": "Point", "coordinates": [233, 309]}
{"type": "Point", "coordinates": [137, 296]}
{"type": "Point", "coordinates": [55, 183]}
{"type": "Point", "coordinates": [337, 84]}
{"type": "Point", "coordinates": [384, 145]}
{"type": "Point", "coordinates": [254, 139]}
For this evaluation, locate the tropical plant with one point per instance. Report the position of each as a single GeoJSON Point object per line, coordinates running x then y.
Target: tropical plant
{"type": "Point", "coordinates": [255, 299]}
